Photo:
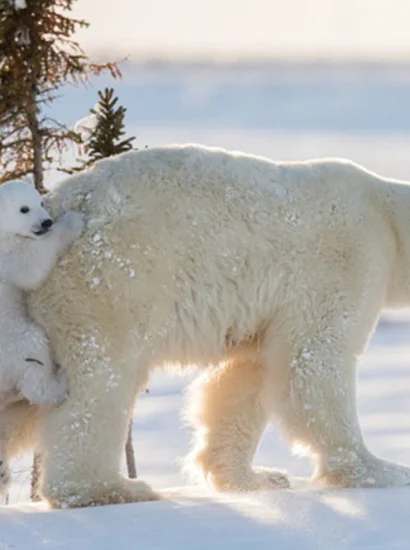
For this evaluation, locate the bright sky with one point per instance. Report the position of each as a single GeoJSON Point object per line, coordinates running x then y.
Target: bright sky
{"type": "Point", "coordinates": [247, 28]}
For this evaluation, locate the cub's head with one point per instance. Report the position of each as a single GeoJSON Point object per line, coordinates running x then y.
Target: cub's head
{"type": "Point", "coordinates": [22, 211]}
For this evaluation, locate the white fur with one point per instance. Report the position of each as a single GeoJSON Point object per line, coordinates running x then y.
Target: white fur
{"type": "Point", "coordinates": [270, 275]}
{"type": "Point", "coordinates": [28, 252]}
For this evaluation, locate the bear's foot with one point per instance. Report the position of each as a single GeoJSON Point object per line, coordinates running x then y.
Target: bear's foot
{"type": "Point", "coordinates": [258, 479]}
{"type": "Point", "coordinates": [368, 471]}
{"type": "Point", "coordinates": [82, 494]}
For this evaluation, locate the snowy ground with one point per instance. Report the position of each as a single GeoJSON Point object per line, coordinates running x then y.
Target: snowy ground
{"type": "Point", "coordinates": [282, 521]}
{"type": "Point", "coordinates": [287, 114]}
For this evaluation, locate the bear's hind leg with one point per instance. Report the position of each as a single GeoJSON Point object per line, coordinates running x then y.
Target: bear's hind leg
{"type": "Point", "coordinates": [314, 400]}
{"type": "Point", "coordinates": [227, 412]}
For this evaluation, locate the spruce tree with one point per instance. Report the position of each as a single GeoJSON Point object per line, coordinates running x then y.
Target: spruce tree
{"type": "Point", "coordinates": [37, 57]}
{"type": "Point", "coordinates": [106, 130]}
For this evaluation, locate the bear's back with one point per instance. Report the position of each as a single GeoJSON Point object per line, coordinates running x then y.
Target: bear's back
{"type": "Point", "coordinates": [200, 178]}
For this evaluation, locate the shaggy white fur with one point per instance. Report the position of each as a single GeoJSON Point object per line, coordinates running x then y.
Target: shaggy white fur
{"type": "Point", "coordinates": [29, 247]}
{"type": "Point", "coordinates": [270, 275]}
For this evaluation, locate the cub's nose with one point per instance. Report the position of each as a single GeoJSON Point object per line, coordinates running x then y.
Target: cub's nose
{"type": "Point", "coordinates": [46, 224]}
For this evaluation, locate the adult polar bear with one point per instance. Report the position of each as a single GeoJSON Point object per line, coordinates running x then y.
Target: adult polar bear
{"type": "Point", "coordinates": [271, 274]}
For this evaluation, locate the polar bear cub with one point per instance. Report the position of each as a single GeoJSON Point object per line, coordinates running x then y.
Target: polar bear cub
{"type": "Point", "coordinates": [29, 247]}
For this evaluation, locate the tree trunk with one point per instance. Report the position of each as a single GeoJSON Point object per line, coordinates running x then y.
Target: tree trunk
{"type": "Point", "coordinates": [38, 173]}
{"type": "Point", "coordinates": [35, 478]}
{"type": "Point", "coordinates": [33, 109]}
{"type": "Point", "coordinates": [129, 454]}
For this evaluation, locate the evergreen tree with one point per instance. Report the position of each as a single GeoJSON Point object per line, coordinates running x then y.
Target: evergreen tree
{"type": "Point", "coordinates": [37, 57]}
{"type": "Point", "coordinates": [106, 138]}
{"type": "Point", "coordinates": [103, 131]}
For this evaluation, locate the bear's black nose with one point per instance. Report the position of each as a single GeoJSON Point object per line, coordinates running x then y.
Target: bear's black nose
{"type": "Point", "coordinates": [46, 224]}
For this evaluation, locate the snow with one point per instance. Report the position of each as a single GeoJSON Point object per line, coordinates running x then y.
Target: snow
{"type": "Point", "coordinates": [285, 113]}
{"type": "Point", "coordinates": [87, 125]}
{"type": "Point", "coordinates": [345, 520]}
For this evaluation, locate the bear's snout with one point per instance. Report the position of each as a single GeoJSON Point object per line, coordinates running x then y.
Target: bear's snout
{"type": "Point", "coordinates": [46, 224]}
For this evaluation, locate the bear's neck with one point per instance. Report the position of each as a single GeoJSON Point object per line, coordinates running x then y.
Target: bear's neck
{"type": "Point", "coordinates": [396, 202]}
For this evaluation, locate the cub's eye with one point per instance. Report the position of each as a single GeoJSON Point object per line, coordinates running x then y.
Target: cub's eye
{"type": "Point", "coordinates": [42, 205]}
{"type": "Point", "coordinates": [24, 209]}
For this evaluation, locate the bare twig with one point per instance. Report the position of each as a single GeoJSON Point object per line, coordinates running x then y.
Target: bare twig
{"type": "Point", "coordinates": [129, 454]}
{"type": "Point", "coordinates": [35, 478]}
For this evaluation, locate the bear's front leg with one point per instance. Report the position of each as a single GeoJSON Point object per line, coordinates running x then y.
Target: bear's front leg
{"type": "Point", "coordinates": [84, 438]}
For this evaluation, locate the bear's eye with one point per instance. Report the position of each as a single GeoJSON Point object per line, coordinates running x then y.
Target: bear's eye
{"type": "Point", "coordinates": [24, 209]}
{"type": "Point", "coordinates": [42, 205]}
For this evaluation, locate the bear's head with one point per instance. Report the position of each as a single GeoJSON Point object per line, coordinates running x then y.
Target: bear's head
{"type": "Point", "coordinates": [22, 212]}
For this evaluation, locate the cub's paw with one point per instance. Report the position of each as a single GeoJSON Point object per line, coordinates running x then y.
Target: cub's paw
{"type": "Point", "coordinates": [57, 391]}
{"type": "Point", "coordinates": [47, 387]}
{"type": "Point", "coordinates": [73, 223]}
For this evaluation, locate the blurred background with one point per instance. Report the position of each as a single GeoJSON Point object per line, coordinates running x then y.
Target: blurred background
{"type": "Point", "coordinates": [290, 80]}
